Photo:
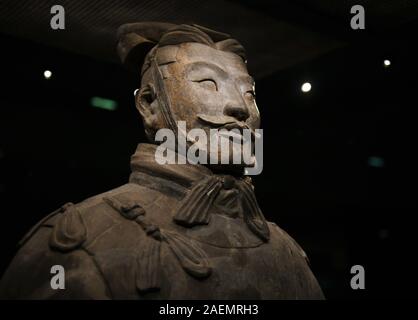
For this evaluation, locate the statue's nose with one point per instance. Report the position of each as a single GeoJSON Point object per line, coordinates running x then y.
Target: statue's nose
{"type": "Point", "coordinates": [238, 111]}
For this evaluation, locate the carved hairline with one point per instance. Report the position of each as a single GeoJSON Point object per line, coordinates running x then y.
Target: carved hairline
{"type": "Point", "coordinates": [167, 57]}
{"type": "Point", "coordinates": [139, 42]}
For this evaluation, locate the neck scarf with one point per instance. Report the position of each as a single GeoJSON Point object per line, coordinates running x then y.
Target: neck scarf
{"type": "Point", "coordinates": [203, 190]}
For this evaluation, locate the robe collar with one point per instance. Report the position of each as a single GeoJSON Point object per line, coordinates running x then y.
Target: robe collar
{"type": "Point", "coordinates": [199, 190]}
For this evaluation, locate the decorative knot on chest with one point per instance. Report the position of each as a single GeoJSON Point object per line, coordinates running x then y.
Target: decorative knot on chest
{"type": "Point", "coordinates": [231, 196]}
{"type": "Point", "coordinates": [191, 257]}
{"type": "Point", "coordinates": [70, 231]}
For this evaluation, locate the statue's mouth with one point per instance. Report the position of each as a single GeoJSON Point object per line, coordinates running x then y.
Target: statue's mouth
{"type": "Point", "coordinates": [232, 136]}
{"type": "Point", "coordinates": [225, 124]}
{"type": "Point", "coordinates": [216, 121]}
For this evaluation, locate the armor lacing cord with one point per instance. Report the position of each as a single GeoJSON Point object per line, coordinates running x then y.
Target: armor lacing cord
{"type": "Point", "coordinates": [195, 206]}
{"type": "Point", "coordinates": [190, 256]}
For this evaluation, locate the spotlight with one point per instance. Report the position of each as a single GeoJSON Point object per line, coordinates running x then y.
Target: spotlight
{"type": "Point", "coordinates": [47, 74]}
{"type": "Point", "coordinates": [306, 87]}
{"type": "Point", "coordinates": [386, 63]}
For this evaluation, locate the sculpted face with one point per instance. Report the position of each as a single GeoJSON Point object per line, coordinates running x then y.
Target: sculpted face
{"type": "Point", "coordinates": [207, 88]}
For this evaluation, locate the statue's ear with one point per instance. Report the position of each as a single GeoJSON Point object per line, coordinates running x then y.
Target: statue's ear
{"type": "Point", "coordinates": [147, 105]}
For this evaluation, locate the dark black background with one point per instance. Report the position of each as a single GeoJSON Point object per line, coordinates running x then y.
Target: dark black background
{"type": "Point", "coordinates": [318, 183]}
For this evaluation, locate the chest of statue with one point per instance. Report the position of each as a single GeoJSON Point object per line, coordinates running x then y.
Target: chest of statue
{"type": "Point", "coordinates": [145, 255]}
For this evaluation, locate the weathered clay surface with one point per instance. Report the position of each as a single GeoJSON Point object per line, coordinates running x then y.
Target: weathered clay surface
{"type": "Point", "coordinates": [182, 231]}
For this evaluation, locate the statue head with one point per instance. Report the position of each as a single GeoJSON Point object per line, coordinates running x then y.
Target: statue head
{"type": "Point", "coordinates": [189, 73]}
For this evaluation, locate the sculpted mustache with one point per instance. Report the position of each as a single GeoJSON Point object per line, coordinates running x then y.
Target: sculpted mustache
{"type": "Point", "coordinates": [225, 122]}
{"type": "Point", "coordinates": [222, 121]}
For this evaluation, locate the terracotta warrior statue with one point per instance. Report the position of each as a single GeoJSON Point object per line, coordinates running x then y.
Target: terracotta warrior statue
{"type": "Point", "coordinates": [174, 231]}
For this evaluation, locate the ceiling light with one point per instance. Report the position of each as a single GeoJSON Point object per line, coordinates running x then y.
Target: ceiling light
{"type": "Point", "coordinates": [306, 87]}
{"type": "Point", "coordinates": [47, 74]}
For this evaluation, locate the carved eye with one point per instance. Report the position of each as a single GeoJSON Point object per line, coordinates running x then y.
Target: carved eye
{"type": "Point", "coordinates": [250, 94]}
{"type": "Point", "coordinates": [208, 84]}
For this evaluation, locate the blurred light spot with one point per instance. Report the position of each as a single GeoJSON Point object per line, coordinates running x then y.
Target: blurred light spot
{"type": "Point", "coordinates": [386, 63]}
{"type": "Point", "coordinates": [306, 87]}
{"type": "Point", "coordinates": [104, 103]}
{"type": "Point", "coordinates": [47, 74]}
{"type": "Point", "coordinates": [376, 162]}
{"type": "Point", "coordinates": [383, 234]}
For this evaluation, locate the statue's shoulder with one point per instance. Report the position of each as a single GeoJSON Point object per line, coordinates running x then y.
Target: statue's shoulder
{"type": "Point", "coordinates": [282, 239]}
{"type": "Point", "coordinates": [78, 237]}
{"type": "Point", "coordinates": [294, 261]}
{"type": "Point", "coordinates": [72, 225]}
